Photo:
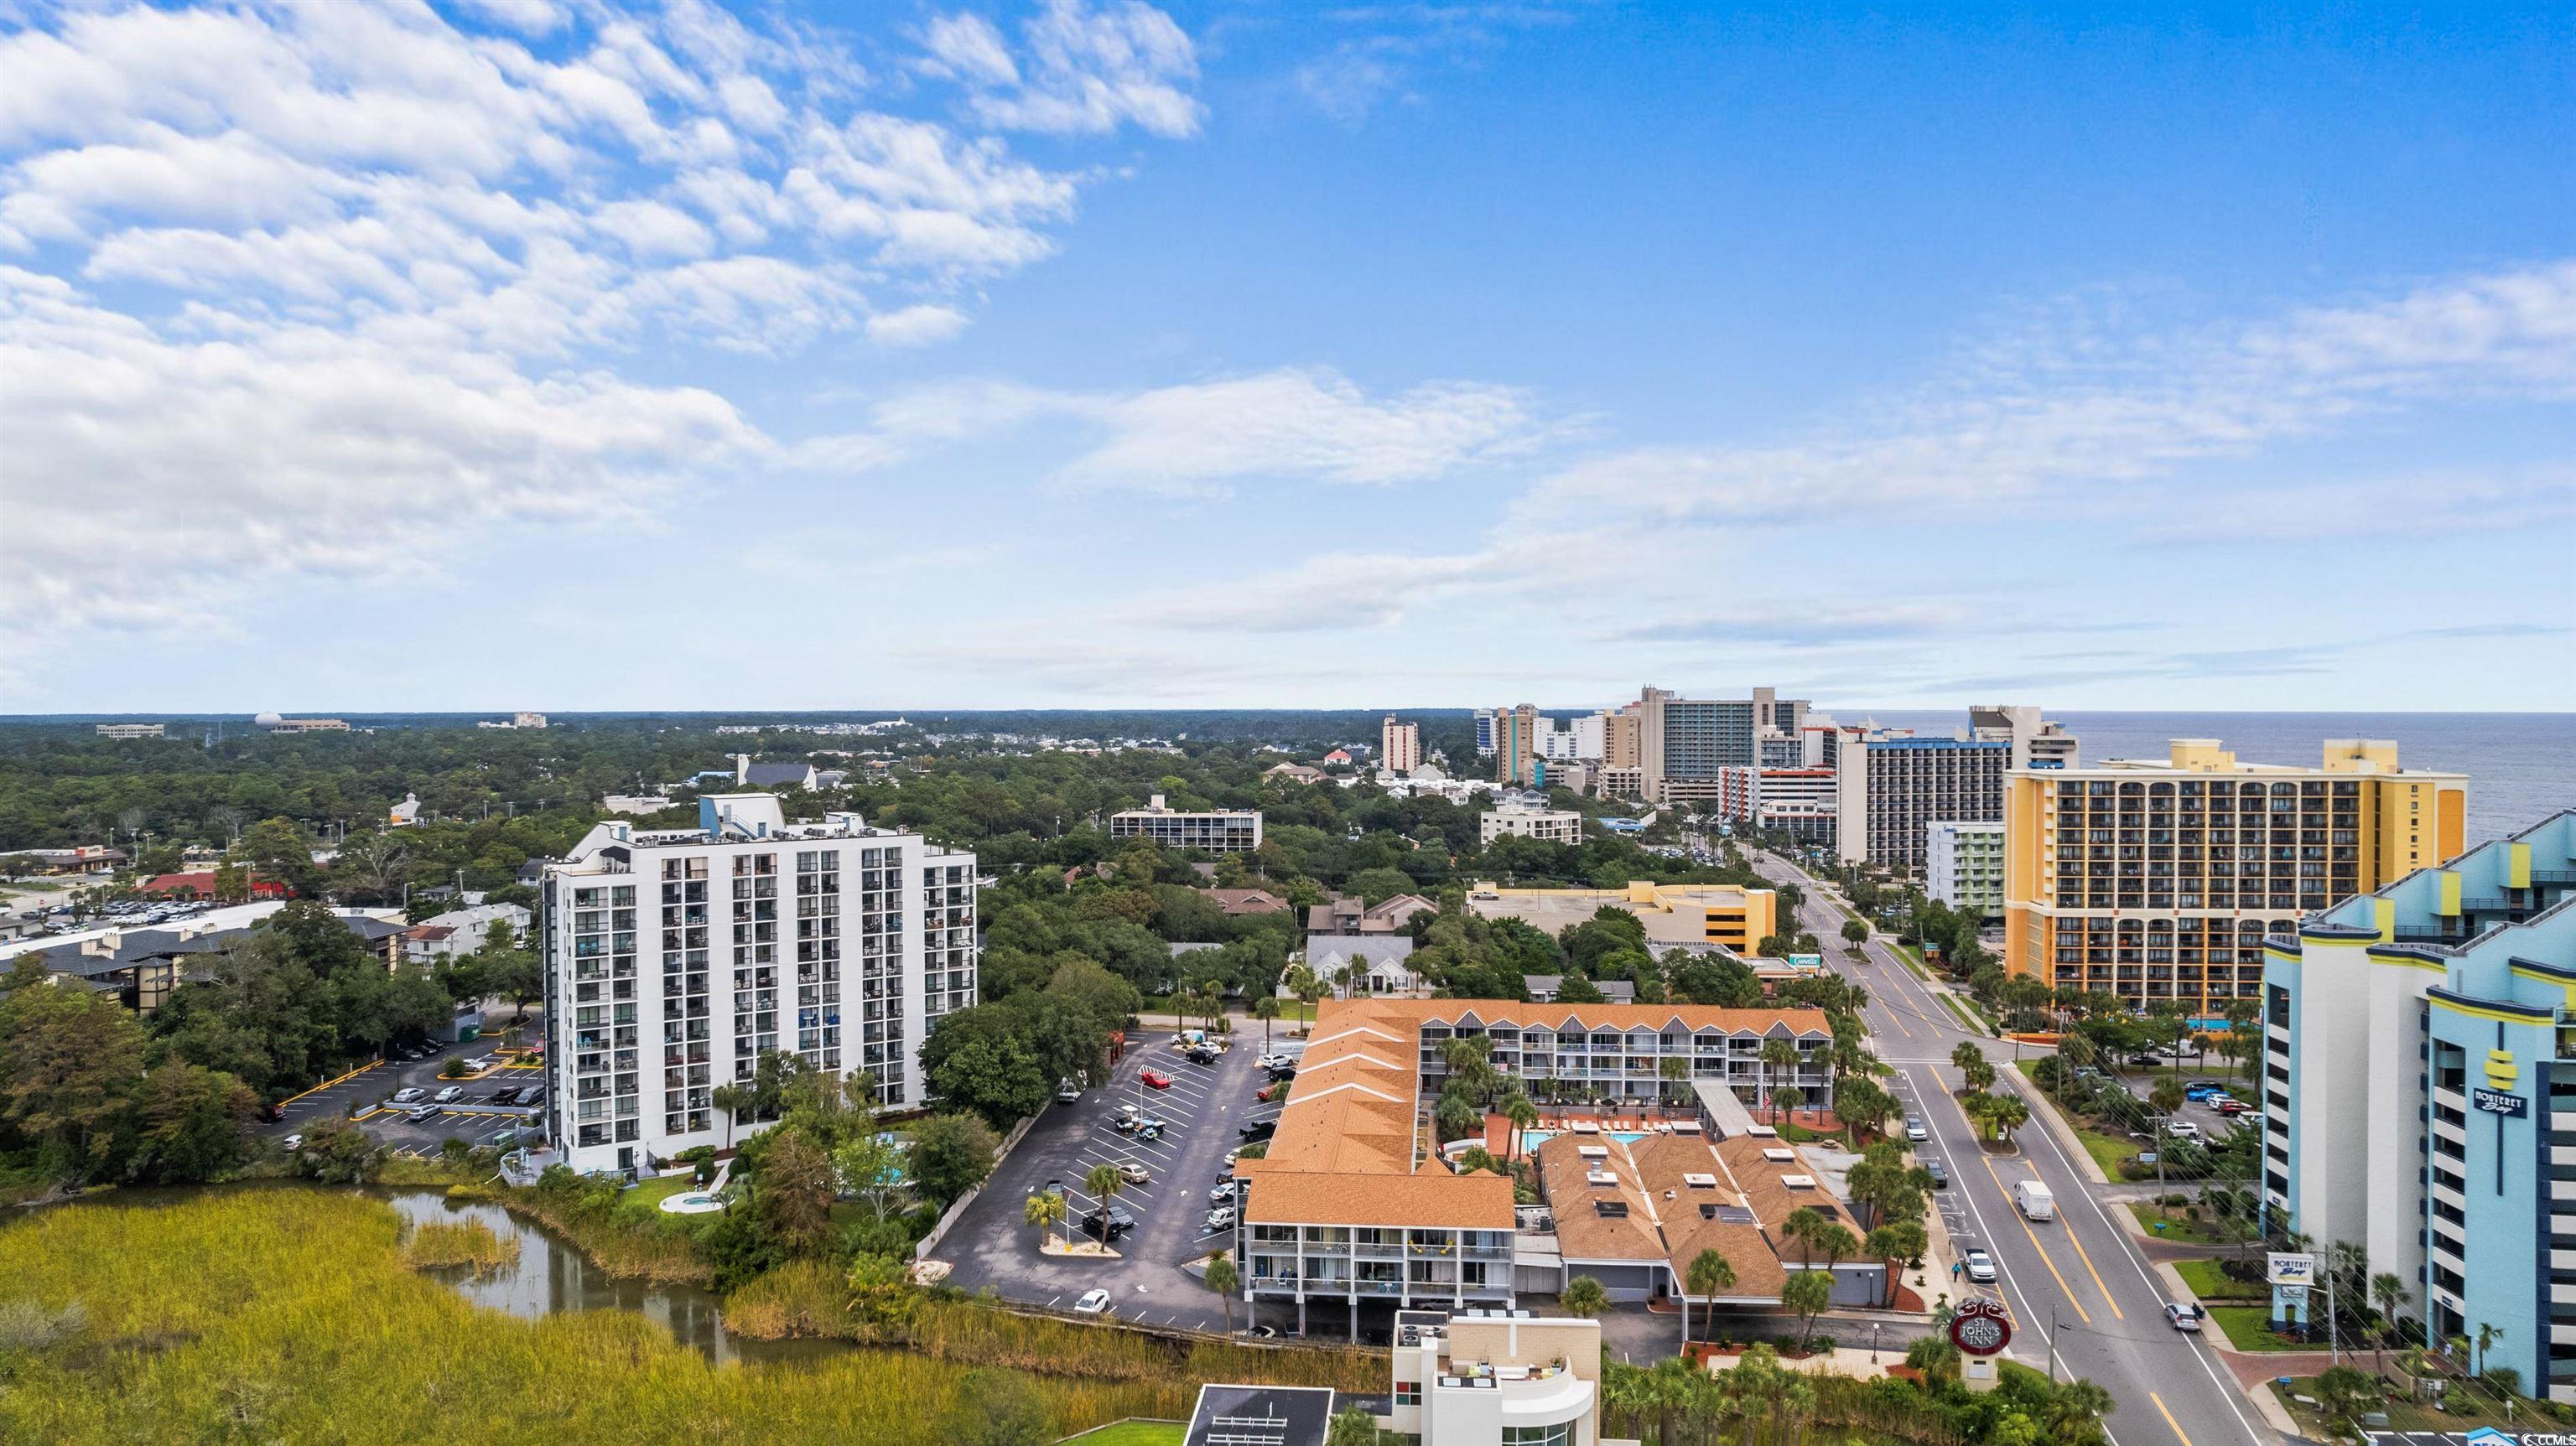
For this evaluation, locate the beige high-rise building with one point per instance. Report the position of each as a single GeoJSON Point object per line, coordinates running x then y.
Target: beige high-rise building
{"type": "Point", "coordinates": [1399, 746]}
{"type": "Point", "coordinates": [2158, 879]}
{"type": "Point", "coordinates": [1619, 733]}
{"type": "Point", "coordinates": [1516, 745]}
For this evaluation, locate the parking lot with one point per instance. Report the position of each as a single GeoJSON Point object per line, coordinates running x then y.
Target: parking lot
{"type": "Point", "coordinates": [364, 1098]}
{"type": "Point", "coordinates": [992, 1244]}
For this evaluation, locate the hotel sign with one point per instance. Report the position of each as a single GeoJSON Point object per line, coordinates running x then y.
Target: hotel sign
{"type": "Point", "coordinates": [2289, 1269]}
{"type": "Point", "coordinates": [2497, 1102]}
{"type": "Point", "coordinates": [1981, 1328]}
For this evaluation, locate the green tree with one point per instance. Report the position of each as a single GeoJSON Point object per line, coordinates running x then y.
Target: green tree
{"type": "Point", "coordinates": [1777, 1055]}
{"type": "Point", "coordinates": [1576, 989]}
{"type": "Point", "coordinates": [1584, 1297]}
{"type": "Point", "coordinates": [994, 1075]}
{"type": "Point", "coordinates": [1709, 1273]}
{"type": "Point", "coordinates": [69, 1060]}
{"type": "Point", "coordinates": [1045, 1211]}
{"type": "Point", "coordinates": [2388, 1292]}
{"type": "Point", "coordinates": [951, 1154]}
{"type": "Point", "coordinates": [732, 1100]}
{"type": "Point", "coordinates": [1787, 1097]}
{"type": "Point", "coordinates": [1353, 1427]}
{"type": "Point", "coordinates": [1806, 1294]}
{"type": "Point", "coordinates": [793, 1192]}
{"type": "Point", "coordinates": [1801, 1226]}
{"type": "Point", "coordinates": [187, 1123]}
{"type": "Point", "coordinates": [338, 1153]}
{"type": "Point", "coordinates": [1223, 1279]}
{"type": "Point", "coordinates": [1855, 931]}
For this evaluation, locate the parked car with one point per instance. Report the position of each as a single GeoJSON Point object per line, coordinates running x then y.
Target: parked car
{"type": "Point", "coordinates": [1914, 1130]}
{"type": "Point", "coordinates": [2199, 1091]}
{"type": "Point", "coordinates": [1269, 1092]}
{"type": "Point", "coordinates": [1979, 1265]}
{"type": "Point", "coordinates": [1156, 1079]}
{"type": "Point", "coordinates": [420, 1113]}
{"type": "Point", "coordinates": [1201, 1055]}
{"type": "Point", "coordinates": [1221, 1218]}
{"type": "Point", "coordinates": [449, 1095]}
{"type": "Point", "coordinates": [1150, 1131]}
{"type": "Point", "coordinates": [2202, 1084]}
{"type": "Point", "coordinates": [480, 1063]}
{"type": "Point", "coordinates": [1258, 1130]}
{"type": "Point", "coordinates": [1223, 1194]}
{"type": "Point", "coordinates": [508, 1096]}
{"type": "Point", "coordinates": [1093, 1302]}
{"type": "Point", "coordinates": [1284, 1073]}
{"type": "Point", "coordinates": [2182, 1316]}
{"type": "Point", "coordinates": [1053, 1187]}
{"type": "Point", "coordinates": [1067, 1092]}
{"type": "Point", "coordinates": [1275, 1061]}
{"type": "Point", "coordinates": [1261, 1333]}
{"type": "Point", "coordinates": [1107, 1225]}
{"type": "Point", "coordinates": [1134, 1173]}
{"type": "Point", "coordinates": [1939, 1172]}
{"type": "Point", "coordinates": [2230, 1107]}
{"type": "Point", "coordinates": [292, 1143]}
{"type": "Point", "coordinates": [2182, 1129]}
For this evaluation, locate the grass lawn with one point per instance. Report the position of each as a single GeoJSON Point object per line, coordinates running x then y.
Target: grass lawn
{"type": "Point", "coordinates": [1913, 960]}
{"type": "Point", "coordinates": [1134, 1433]}
{"type": "Point", "coordinates": [2477, 1409]}
{"type": "Point", "coordinates": [2249, 1328]}
{"type": "Point", "coordinates": [1967, 1018]}
{"type": "Point", "coordinates": [2176, 1227]}
{"type": "Point", "coordinates": [2208, 1282]}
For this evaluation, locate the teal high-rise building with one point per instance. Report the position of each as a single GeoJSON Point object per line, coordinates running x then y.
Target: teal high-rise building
{"type": "Point", "coordinates": [2419, 1093]}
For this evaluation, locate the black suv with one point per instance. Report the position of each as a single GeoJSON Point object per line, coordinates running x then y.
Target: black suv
{"type": "Point", "coordinates": [1259, 1130]}
{"type": "Point", "coordinates": [1109, 1225]}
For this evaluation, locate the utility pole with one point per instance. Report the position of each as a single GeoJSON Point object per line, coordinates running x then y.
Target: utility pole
{"type": "Point", "coordinates": [2052, 1343]}
{"type": "Point", "coordinates": [2334, 1339]}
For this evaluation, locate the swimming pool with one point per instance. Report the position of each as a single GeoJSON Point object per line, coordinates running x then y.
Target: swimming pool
{"type": "Point", "coordinates": [1532, 1139]}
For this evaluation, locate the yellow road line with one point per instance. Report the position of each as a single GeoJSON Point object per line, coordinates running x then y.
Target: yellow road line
{"type": "Point", "coordinates": [2080, 1313]}
{"type": "Point", "coordinates": [2169, 1420]}
{"type": "Point", "coordinates": [2098, 1283]}
{"type": "Point", "coordinates": [328, 1083]}
{"type": "Point", "coordinates": [1899, 1018]}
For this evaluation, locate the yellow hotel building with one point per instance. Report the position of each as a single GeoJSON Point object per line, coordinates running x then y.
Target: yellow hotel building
{"type": "Point", "coordinates": [2158, 880]}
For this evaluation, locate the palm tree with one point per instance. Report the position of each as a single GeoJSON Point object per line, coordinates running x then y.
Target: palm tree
{"type": "Point", "coordinates": [2073, 1407]}
{"type": "Point", "coordinates": [1303, 984]}
{"type": "Point", "coordinates": [1807, 1293]}
{"type": "Point", "coordinates": [1777, 1054]}
{"type": "Point", "coordinates": [1674, 1070]}
{"type": "Point", "coordinates": [1709, 1273]}
{"type": "Point", "coordinates": [1786, 1097]}
{"type": "Point", "coordinates": [1045, 1211]}
{"type": "Point", "coordinates": [1801, 1226]}
{"type": "Point", "coordinates": [1224, 1280]}
{"type": "Point", "coordinates": [1524, 1116]}
{"type": "Point", "coordinates": [1584, 1297]}
{"type": "Point", "coordinates": [2388, 1292]}
{"type": "Point", "coordinates": [1265, 1009]}
{"type": "Point", "coordinates": [733, 1099]}
{"type": "Point", "coordinates": [2008, 1114]}
{"type": "Point", "coordinates": [1102, 1183]}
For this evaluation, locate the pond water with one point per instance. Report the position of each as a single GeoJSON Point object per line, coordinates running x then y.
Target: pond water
{"type": "Point", "coordinates": [552, 1275]}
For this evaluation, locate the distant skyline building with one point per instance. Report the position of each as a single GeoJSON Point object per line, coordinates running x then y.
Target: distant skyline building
{"type": "Point", "coordinates": [1963, 866]}
{"type": "Point", "coordinates": [1891, 785]}
{"type": "Point", "coordinates": [1399, 746]}
{"type": "Point", "coordinates": [1216, 831]}
{"type": "Point", "coordinates": [132, 730]}
{"type": "Point", "coordinates": [1516, 745]}
{"type": "Point", "coordinates": [1683, 742]}
{"type": "Point", "coordinates": [2159, 879]}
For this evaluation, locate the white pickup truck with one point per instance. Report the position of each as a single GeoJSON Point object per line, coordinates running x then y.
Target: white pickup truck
{"type": "Point", "coordinates": [2035, 1201]}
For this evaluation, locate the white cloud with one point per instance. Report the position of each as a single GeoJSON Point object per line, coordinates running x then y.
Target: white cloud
{"type": "Point", "coordinates": [916, 325]}
{"type": "Point", "coordinates": [2034, 421]}
{"type": "Point", "coordinates": [1198, 438]}
{"type": "Point", "coordinates": [208, 468]}
{"type": "Point", "coordinates": [1089, 69]}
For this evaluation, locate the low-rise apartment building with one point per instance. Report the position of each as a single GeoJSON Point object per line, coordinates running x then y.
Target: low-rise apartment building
{"type": "Point", "coordinates": [1215, 831]}
{"type": "Point", "coordinates": [676, 958]}
{"type": "Point", "coordinates": [131, 730]}
{"type": "Point", "coordinates": [2159, 879]}
{"type": "Point", "coordinates": [1697, 915]}
{"type": "Point", "coordinates": [1352, 1205]}
{"type": "Point", "coordinates": [1547, 825]}
{"type": "Point", "coordinates": [2419, 1092]}
{"type": "Point", "coordinates": [1963, 866]}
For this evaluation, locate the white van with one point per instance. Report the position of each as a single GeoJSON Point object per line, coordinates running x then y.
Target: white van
{"type": "Point", "coordinates": [2035, 1201]}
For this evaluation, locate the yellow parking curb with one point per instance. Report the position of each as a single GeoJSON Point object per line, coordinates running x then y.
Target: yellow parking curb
{"type": "Point", "coordinates": [328, 1083]}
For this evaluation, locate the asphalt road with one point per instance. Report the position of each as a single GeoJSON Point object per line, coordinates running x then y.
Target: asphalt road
{"type": "Point", "coordinates": [992, 1245]}
{"type": "Point", "coordinates": [2081, 1273]}
{"type": "Point", "coordinates": [471, 1119]}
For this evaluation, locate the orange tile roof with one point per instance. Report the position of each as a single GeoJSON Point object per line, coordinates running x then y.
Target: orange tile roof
{"type": "Point", "coordinates": [1350, 1149]}
{"type": "Point", "coordinates": [1664, 1220]}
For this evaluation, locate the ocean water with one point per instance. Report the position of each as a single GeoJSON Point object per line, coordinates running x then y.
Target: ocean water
{"type": "Point", "coordinates": [2521, 766]}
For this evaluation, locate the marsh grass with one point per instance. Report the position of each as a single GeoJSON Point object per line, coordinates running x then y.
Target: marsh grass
{"type": "Point", "coordinates": [811, 1300]}
{"type": "Point", "coordinates": [435, 1244]}
{"type": "Point", "coordinates": [631, 1238]}
{"type": "Point", "coordinates": [288, 1315]}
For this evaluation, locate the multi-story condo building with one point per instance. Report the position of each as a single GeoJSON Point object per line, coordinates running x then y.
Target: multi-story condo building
{"type": "Point", "coordinates": [2419, 1093]}
{"type": "Point", "coordinates": [1801, 802]}
{"type": "Point", "coordinates": [1216, 831]}
{"type": "Point", "coordinates": [1692, 916]}
{"type": "Point", "coordinates": [1888, 789]}
{"type": "Point", "coordinates": [1484, 732]}
{"type": "Point", "coordinates": [1621, 738]}
{"type": "Point", "coordinates": [1963, 866]}
{"type": "Point", "coordinates": [1516, 755]}
{"type": "Point", "coordinates": [1473, 1378]}
{"type": "Point", "coordinates": [1683, 742]}
{"type": "Point", "coordinates": [1352, 1205]}
{"type": "Point", "coordinates": [1547, 825]}
{"type": "Point", "coordinates": [2159, 879]}
{"type": "Point", "coordinates": [676, 958]}
{"type": "Point", "coordinates": [1399, 746]}
{"type": "Point", "coordinates": [2036, 742]}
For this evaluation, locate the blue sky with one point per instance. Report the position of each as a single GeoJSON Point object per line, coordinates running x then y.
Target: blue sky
{"type": "Point", "coordinates": [570, 355]}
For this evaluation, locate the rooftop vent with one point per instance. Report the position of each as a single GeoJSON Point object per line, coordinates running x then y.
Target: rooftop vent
{"type": "Point", "coordinates": [1779, 1154]}
{"type": "Point", "coordinates": [1700, 1182]}
{"type": "Point", "coordinates": [1799, 1182]}
{"type": "Point", "coordinates": [1593, 1152]}
{"type": "Point", "coordinates": [1599, 1177]}
{"type": "Point", "coordinates": [1762, 1132]}
{"type": "Point", "coordinates": [1611, 1209]}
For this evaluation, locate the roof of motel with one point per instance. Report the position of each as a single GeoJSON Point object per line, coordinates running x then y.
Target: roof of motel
{"type": "Point", "coordinates": [1350, 1148]}
{"type": "Point", "coordinates": [1673, 1196]}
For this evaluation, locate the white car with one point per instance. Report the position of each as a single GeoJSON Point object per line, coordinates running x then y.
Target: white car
{"type": "Point", "coordinates": [406, 1096]}
{"type": "Point", "coordinates": [1914, 1130]}
{"type": "Point", "coordinates": [1222, 1194]}
{"type": "Point", "coordinates": [1221, 1218]}
{"type": "Point", "coordinates": [1134, 1174]}
{"type": "Point", "coordinates": [292, 1143]}
{"type": "Point", "coordinates": [449, 1095]}
{"type": "Point", "coordinates": [2182, 1316]}
{"type": "Point", "coordinates": [1980, 1266]}
{"type": "Point", "coordinates": [2182, 1129]}
{"type": "Point", "coordinates": [479, 1064]}
{"type": "Point", "coordinates": [1093, 1302]}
